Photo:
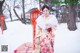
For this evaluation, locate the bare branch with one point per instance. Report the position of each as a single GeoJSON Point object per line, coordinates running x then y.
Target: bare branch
{"type": "Point", "coordinates": [16, 14]}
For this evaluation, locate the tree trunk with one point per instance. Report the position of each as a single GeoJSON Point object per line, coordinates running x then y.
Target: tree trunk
{"type": "Point", "coordinates": [1, 8]}
{"type": "Point", "coordinates": [1, 4]}
{"type": "Point", "coordinates": [40, 4]}
{"type": "Point", "coordinates": [15, 11]}
{"type": "Point", "coordinates": [1, 13]}
{"type": "Point", "coordinates": [72, 17]}
{"type": "Point", "coordinates": [10, 15]}
{"type": "Point", "coordinates": [20, 18]}
{"type": "Point", "coordinates": [24, 19]}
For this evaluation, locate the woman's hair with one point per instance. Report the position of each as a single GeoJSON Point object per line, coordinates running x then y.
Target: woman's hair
{"type": "Point", "coordinates": [45, 6]}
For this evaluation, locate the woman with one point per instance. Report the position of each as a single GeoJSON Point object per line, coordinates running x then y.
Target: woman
{"type": "Point", "coordinates": [46, 25]}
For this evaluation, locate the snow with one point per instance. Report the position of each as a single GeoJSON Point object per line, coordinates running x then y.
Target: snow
{"type": "Point", "coordinates": [17, 33]}
{"type": "Point", "coordinates": [67, 41]}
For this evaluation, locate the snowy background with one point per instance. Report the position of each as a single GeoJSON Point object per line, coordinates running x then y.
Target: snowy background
{"type": "Point", "coordinates": [17, 33]}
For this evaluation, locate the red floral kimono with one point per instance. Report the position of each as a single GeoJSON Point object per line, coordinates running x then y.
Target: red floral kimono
{"type": "Point", "coordinates": [47, 42]}
{"type": "Point", "coordinates": [45, 33]}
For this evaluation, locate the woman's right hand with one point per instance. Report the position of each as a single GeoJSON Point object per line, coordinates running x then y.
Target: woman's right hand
{"type": "Point", "coordinates": [37, 40]}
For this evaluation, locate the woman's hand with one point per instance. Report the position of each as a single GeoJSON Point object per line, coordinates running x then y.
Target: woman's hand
{"type": "Point", "coordinates": [37, 40]}
{"type": "Point", "coordinates": [54, 26]}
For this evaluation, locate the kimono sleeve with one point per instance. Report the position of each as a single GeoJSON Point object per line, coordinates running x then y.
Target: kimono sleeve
{"type": "Point", "coordinates": [40, 22]}
{"type": "Point", "coordinates": [54, 20]}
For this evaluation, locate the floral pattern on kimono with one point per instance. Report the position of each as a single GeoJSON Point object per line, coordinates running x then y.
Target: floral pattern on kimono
{"type": "Point", "coordinates": [46, 36]}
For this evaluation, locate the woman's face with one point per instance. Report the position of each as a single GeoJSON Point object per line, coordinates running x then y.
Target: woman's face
{"type": "Point", "coordinates": [46, 11]}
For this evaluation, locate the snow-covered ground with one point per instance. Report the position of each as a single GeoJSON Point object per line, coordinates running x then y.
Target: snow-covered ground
{"type": "Point", "coordinates": [17, 33]}
{"type": "Point", "coordinates": [67, 41]}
